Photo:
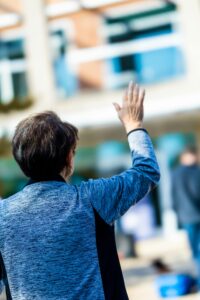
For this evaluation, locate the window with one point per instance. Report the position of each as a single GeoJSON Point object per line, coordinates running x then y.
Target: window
{"type": "Point", "coordinates": [12, 50]}
{"type": "Point", "coordinates": [148, 37]}
{"type": "Point", "coordinates": [19, 85]}
{"type": "Point", "coordinates": [158, 64]}
{"type": "Point", "coordinates": [13, 83]}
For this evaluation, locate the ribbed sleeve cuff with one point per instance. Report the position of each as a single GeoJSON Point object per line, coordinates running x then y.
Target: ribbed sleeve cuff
{"type": "Point", "coordinates": [137, 129]}
{"type": "Point", "coordinates": [139, 141]}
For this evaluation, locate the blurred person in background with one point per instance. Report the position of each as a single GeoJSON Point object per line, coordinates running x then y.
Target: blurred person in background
{"type": "Point", "coordinates": [136, 224]}
{"type": "Point", "coordinates": [139, 221]}
{"type": "Point", "coordinates": [186, 200]}
{"type": "Point", "coordinates": [56, 239]}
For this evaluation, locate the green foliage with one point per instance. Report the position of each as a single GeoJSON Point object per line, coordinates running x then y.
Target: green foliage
{"type": "Point", "coordinates": [15, 104]}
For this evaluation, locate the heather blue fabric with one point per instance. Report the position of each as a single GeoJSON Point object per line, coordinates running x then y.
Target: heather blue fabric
{"type": "Point", "coordinates": [47, 230]}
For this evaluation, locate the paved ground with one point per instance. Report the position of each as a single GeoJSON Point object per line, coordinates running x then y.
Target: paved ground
{"type": "Point", "coordinates": [140, 282]}
{"type": "Point", "coordinates": [139, 273]}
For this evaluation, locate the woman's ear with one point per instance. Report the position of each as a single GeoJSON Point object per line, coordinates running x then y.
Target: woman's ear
{"type": "Point", "coordinates": [70, 163]}
{"type": "Point", "coordinates": [70, 157]}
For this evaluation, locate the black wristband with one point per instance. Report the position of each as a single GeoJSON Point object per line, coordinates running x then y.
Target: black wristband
{"type": "Point", "coordinates": [136, 129]}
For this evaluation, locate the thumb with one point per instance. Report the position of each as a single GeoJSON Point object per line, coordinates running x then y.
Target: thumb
{"type": "Point", "coordinates": [117, 106]}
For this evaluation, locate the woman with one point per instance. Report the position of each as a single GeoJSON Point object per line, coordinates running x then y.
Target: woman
{"type": "Point", "coordinates": [56, 239]}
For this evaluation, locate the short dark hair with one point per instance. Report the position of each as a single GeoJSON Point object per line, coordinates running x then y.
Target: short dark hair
{"type": "Point", "coordinates": [41, 144]}
{"type": "Point", "coordinates": [191, 149]}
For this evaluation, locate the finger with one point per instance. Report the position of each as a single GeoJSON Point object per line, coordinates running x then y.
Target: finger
{"type": "Point", "coordinates": [117, 106]}
{"type": "Point", "coordinates": [125, 97]}
{"type": "Point", "coordinates": [131, 88]}
{"type": "Point", "coordinates": [136, 93]}
{"type": "Point", "coordinates": [142, 96]}
{"type": "Point", "coordinates": [141, 103]}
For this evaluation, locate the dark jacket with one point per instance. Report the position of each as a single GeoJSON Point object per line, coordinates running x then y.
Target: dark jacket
{"type": "Point", "coordinates": [186, 193]}
{"type": "Point", "coordinates": [3, 277]}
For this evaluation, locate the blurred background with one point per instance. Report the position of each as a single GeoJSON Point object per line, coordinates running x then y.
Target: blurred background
{"type": "Point", "coordinates": [76, 57]}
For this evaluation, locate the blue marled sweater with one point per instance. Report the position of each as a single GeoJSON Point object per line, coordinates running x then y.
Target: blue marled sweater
{"type": "Point", "coordinates": [48, 233]}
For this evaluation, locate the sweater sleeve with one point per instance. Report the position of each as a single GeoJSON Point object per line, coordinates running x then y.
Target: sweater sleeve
{"type": "Point", "coordinates": [112, 197]}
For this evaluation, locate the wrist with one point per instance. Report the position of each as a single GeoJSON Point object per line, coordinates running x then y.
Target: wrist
{"type": "Point", "coordinates": [137, 129]}
{"type": "Point", "coordinates": [132, 126]}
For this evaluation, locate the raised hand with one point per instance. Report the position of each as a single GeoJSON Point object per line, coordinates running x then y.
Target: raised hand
{"type": "Point", "coordinates": [131, 112]}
